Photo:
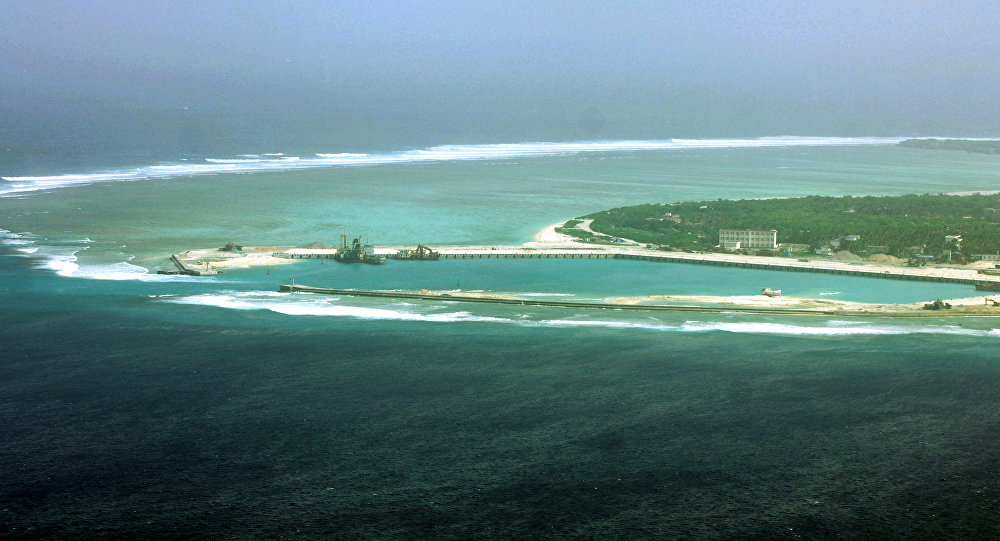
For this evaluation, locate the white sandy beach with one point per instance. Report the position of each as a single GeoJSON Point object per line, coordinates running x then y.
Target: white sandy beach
{"type": "Point", "coordinates": [549, 234]}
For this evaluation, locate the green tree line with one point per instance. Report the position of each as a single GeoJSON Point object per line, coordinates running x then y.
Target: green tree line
{"type": "Point", "coordinates": [898, 222]}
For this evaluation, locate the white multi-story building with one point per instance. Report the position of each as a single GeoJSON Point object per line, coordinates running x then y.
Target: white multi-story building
{"type": "Point", "coordinates": [734, 239]}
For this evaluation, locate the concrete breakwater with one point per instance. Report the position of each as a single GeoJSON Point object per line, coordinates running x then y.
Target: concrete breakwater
{"type": "Point", "coordinates": [297, 288]}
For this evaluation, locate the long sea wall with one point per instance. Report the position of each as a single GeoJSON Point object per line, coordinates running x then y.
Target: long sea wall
{"type": "Point", "coordinates": [297, 288]}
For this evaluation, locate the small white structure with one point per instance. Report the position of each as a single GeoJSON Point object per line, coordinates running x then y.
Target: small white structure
{"type": "Point", "coordinates": [986, 257]}
{"type": "Point", "coordinates": [734, 239]}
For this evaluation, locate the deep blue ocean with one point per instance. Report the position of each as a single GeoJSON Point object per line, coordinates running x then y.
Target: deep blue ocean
{"type": "Point", "coordinates": [134, 405]}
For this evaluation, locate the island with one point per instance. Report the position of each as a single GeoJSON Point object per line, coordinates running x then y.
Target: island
{"type": "Point", "coordinates": [942, 238]}
{"type": "Point", "coordinates": [904, 229]}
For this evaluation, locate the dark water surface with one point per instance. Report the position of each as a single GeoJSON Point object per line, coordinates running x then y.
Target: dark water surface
{"type": "Point", "coordinates": [122, 426]}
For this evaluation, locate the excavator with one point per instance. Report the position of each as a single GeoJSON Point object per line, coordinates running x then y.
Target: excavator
{"type": "Point", "coordinates": [421, 253]}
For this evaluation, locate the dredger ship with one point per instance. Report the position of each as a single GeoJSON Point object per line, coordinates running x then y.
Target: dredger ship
{"type": "Point", "coordinates": [357, 252]}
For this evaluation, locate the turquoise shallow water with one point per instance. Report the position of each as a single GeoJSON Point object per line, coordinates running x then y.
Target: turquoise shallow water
{"type": "Point", "coordinates": [599, 279]}
{"type": "Point", "coordinates": [486, 201]}
{"type": "Point", "coordinates": [145, 406]}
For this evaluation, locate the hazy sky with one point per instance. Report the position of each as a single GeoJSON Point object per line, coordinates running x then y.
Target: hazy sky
{"type": "Point", "coordinates": [599, 68]}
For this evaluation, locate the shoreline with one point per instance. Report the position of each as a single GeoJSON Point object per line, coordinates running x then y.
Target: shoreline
{"type": "Point", "coordinates": [548, 235]}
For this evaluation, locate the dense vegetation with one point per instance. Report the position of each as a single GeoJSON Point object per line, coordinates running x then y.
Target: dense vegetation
{"type": "Point", "coordinates": [897, 223]}
{"type": "Point", "coordinates": [981, 147]}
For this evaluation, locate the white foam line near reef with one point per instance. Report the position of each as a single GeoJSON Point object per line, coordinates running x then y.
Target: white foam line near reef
{"type": "Point", "coordinates": [62, 260]}
{"type": "Point", "coordinates": [258, 163]}
{"type": "Point", "coordinates": [299, 304]}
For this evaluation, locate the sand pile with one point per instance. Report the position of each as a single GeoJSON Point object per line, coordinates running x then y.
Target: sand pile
{"type": "Point", "coordinates": [887, 259]}
{"type": "Point", "coordinates": [846, 256]}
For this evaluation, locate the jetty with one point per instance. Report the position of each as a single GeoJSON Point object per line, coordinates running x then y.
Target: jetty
{"type": "Point", "coordinates": [632, 253]}
{"type": "Point", "coordinates": [190, 268]}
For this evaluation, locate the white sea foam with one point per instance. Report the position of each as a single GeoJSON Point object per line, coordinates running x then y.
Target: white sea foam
{"type": "Point", "coordinates": [127, 271]}
{"type": "Point", "coordinates": [600, 323]}
{"type": "Point", "coordinates": [279, 162]}
{"type": "Point", "coordinates": [315, 305]}
{"type": "Point", "coordinates": [749, 327]}
{"type": "Point", "coordinates": [63, 261]}
{"type": "Point", "coordinates": [17, 242]}
{"type": "Point", "coordinates": [318, 307]}
{"type": "Point", "coordinates": [232, 160]}
{"type": "Point", "coordinates": [826, 293]}
{"type": "Point", "coordinates": [8, 238]}
{"type": "Point", "coordinates": [58, 259]}
{"type": "Point", "coordinates": [114, 271]}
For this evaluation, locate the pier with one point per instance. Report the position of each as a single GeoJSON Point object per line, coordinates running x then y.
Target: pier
{"type": "Point", "coordinates": [200, 262]}
{"type": "Point", "coordinates": [724, 260]}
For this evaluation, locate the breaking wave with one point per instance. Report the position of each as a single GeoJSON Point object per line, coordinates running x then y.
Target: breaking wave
{"type": "Point", "coordinates": [278, 302]}
{"type": "Point", "coordinates": [276, 161]}
{"type": "Point", "coordinates": [9, 238]}
{"type": "Point", "coordinates": [63, 261]}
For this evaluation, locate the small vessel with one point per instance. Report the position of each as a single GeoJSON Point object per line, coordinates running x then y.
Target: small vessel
{"type": "Point", "coordinates": [770, 292]}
